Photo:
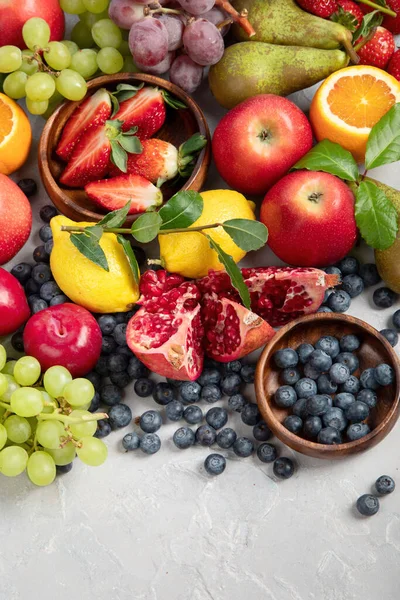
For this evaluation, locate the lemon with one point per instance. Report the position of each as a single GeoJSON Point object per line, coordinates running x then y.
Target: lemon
{"type": "Point", "coordinates": [189, 254]}
{"type": "Point", "coordinates": [86, 283]}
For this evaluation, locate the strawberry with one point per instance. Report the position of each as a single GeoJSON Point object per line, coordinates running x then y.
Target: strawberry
{"type": "Point", "coordinates": [394, 65]}
{"type": "Point", "coordinates": [158, 161]}
{"type": "Point", "coordinates": [391, 23]}
{"type": "Point", "coordinates": [379, 50]}
{"type": "Point", "coordinates": [145, 110]}
{"type": "Point", "coordinates": [321, 8]}
{"type": "Point", "coordinates": [348, 14]}
{"type": "Point", "coordinates": [113, 194]}
{"type": "Point", "coordinates": [95, 110]}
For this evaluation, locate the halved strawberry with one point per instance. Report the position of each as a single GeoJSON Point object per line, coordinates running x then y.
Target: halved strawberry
{"type": "Point", "coordinates": [158, 161]}
{"type": "Point", "coordinates": [145, 110]}
{"type": "Point", "coordinates": [95, 110]}
{"type": "Point", "coordinates": [113, 194]}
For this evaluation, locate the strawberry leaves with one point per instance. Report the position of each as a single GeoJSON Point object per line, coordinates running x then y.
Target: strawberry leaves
{"type": "Point", "coordinates": [122, 142]}
{"type": "Point", "coordinates": [188, 153]}
{"type": "Point", "coordinates": [369, 22]}
{"type": "Point", "coordinates": [172, 101]}
{"type": "Point", "coordinates": [123, 91]}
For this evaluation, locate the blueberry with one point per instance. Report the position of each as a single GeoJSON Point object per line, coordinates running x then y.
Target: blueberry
{"type": "Point", "coordinates": [290, 376]}
{"type": "Point", "coordinates": [128, 315]}
{"type": "Point", "coordinates": [140, 255]}
{"type": "Point", "coordinates": [28, 187]}
{"type": "Point", "coordinates": [131, 441]}
{"type": "Point", "coordinates": [247, 373]}
{"type": "Point", "coordinates": [325, 385]}
{"type": "Point", "coordinates": [283, 467]}
{"type": "Point", "coordinates": [334, 417]}
{"type": "Point", "coordinates": [384, 374]}
{"type": "Point", "coordinates": [267, 453]}
{"type": "Point", "coordinates": [48, 247]}
{"type": "Point", "coordinates": [286, 358]}
{"type": "Point", "coordinates": [339, 301]}
{"type": "Point", "coordinates": [369, 274]}
{"type": "Point", "coordinates": [59, 299]}
{"type": "Point", "coordinates": [144, 387]}
{"type": "Point", "coordinates": [101, 366]}
{"type": "Point", "coordinates": [205, 435]}
{"type": "Point", "coordinates": [333, 271]}
{"type": "Point", "coordinates": [31, 287]}
{"type": "Point", "coordinates": [368, 379]}
{"type": "Point", "coordinates": [384, 297]}
{"type": "Point", "coordinates": [369, 397]}
{"type": "Point", "coordinates": [174, 382]}
{"type": "Point", "coordinates": [38, 305]}
{"type": "Point", "coordinates": [150, 443]}
{"type": "Point", "coordinates": [163, 393]}
{"type": "Point", "coordinates": [310, 372]}
{"type": "Point", "coordinates": [107, 324]}
{"type": "Point", "coordinates": [285, 396]}
{"type": "Point", "coordinates": [184, 437]}
{"type": "Point", "coordinates": [103, 429]}
{"type": "Point", "coordinates": [215, 464]}
{"type": "Point", "coordinates": [367, 505]}
{"type": "Point", "coordinates": [305, 388]}
{"type": "Point", "coordinates": [350, 360]}
{"type": "Point", "coordinates": [63, 469]}
{"type": "Point", "coordinates": [237, 402]}
{"type": "Point", "coordinates": [351, 386]}
{"type": "Point", "coordinates": [395, 319]}
{"type": "Point", "coordinates": [150, 421]}
{"type": "Point", "coordinates": [48, 290]}
{"type": "Point", "coordinates": [261, 432]}
{"type": "Point", "coordinates": [326, 295]}
{"type": "Point", "coordinates": [320, 361]}
{"type": "Point", "coordinates": [384, 485]}
{"type": "Point", "coordinates": [124, 350]}
{"type": "Point", "coordinates": [217, 417]}
{"type": "Point", "coordinates": [243, 447]}
{"type": "Point", "coordinates": [120, 317]}
{"type": "Point", "coordinates": [174, 410]}
{"type": "Point", "coordinates": [357, 412]}
{"type": "Point", "coordinates": [235, 366]}
{"type": "Point", "coordinates": [117, 363]}
{"type": "Point", "coordinates": [324, 309]}
{"type": "Point", "coordinates": [299, 408]}
{"type": "Point", "coordinates": [190, 391]}
{"type": "Point", "coordinates": [329, 345]}
{"type": "Point", "coordinates": [22, 272]}
{"type": "Point", "coordinates": [349, 265]}
{"type": "Point", "coordinates": [209, 377]}
{"type": "Point", "coordinates": [17, 341]}
{"type": "Point", "coordinates": [312, 426]}
{"type": "Point", "coordinates": [45, 233]}
{"type": "Point", "coordinates": [95, 403]}
{"type": "Point", "coordinates": [119, 415]}
{"type": "Point", "coordinates": [317, 405]}
{"type": "Point", "coordinates": [120, 334]}
{"type": "Point", "coordinates": [121, 379]}
{"type": "Point", "coordinates": [339, 373]}
{"type": "Point", "coordinates": [293, 424]}
{"type": "Point", "coordinates": [391, 335]}
{"type": "Point", "coordinates": [353, 285]}
{"type": "Point", "coordinates": [211, 393]}
{"type": "Point", "coordinates": [40, 255]}
{"type": "Point", "coordinates": [47, 213]}
{"type": "Point", "coordinates": [356, 431]}
{"type": "Point", "coordinates": [193, 414]}
{"type": "Point", "coordinates": [108, 344]}
{"type": "Point", "coordinates": [349, 343]}
{"type": "Point", "coordinates": [136, 368]}
{"type": "Point", "coordinates": [250, 414]}
{"type": "Point", "coordinates": [230, 384]}
{"type": "Point", "coordinates": [343, 400]}
{"type": "Point", "coordinates": [330, 436]}
{"type": "Point", "coordinates": [110, 394]}
{"type": "Point", "coordinates": [304, 351]}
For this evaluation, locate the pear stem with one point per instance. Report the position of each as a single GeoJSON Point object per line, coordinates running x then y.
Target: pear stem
{"type": "Point", "coordinates": [382, 9]}
{"type": "Point", "coordinates": [365, 40]}
{"type": "Point", "coordinates": [351, 51]}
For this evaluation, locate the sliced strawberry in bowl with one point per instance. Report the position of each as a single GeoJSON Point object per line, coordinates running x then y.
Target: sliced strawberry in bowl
{"type": "Point", "coordinates": [113, 194]}
{"type": "Point", "coordinates": [145, 110]}
{"type": "Point", "coordinates": [94, 111]}
{"type": "Point", "coordinates": [158, 161]}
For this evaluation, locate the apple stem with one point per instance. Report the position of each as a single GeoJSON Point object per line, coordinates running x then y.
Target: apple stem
{"type": "Point", "coordinates": [71, 420]}
{"type": "Point", "coordinates": [383, 9]}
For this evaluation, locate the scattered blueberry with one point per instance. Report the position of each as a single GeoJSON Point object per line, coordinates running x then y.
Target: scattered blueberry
{"type": "Point", "coordinates": [349, 265]}
{"type": "Point", "coordinates": [120, 334]}
{"type": "Point", "coordinates": [235, 366]}
{"type": "Point", "coordinates": [261, 432]}
{"type": "Point", "coordinates": [250, 414]}
{"type": "Point", "coordinates": [384, 297]}
{"type": "Point", "coordinates": [119, 415]}
{"type": "Point", "coordinates": [369, 274]}
{"type": "Point", "coordinates": [107, 324]}
{"type": "Point", "coordinates": [226, 438]}
{"type": "Point", "coordinates": [193, 414]}
{"type": "Point", "coordinates": [40, 255]}
{"type": "Point", "coordinates": [384, 374]}
{"type": "Point", "coordinates": [63, 469]}
{"type": "Point", "coordinates": [38, 305]}
{"type": "Point", "coordinates": [48, 290]}
{"type": "Point", "coordinates": [205, 435]}
{"type": "Point", "coordinates": [324, 309]}
{"type": "Point", "coordinates": [299, 408]}
{"type": "Point", "coordinates": [367, 505]}
{"type": "Point", "coordinates": [59, 299]}
{"type": "Point", "coordinates": [351, 386]}
{"type": "Point", "coordinates": [369, 397]}
{"type": "Point", "coordinates": [95, 403]}
{"type": "Point", "coordinates": [31, 287]}
{"type": "Point", "coordinates": [183, 438]}
{"type": "Point", "coordinates": [22, 272]}
{"type": "Point", "coordinates": [350, 360]}
{"type": "Point", "coordinates": [217, 417]}
{"type": "Point", "coordinates": [243, 447]}
{"type": "Point", "coordinates": [305, 388]}
{"type": "Point", "coordinates": [286, 358]}
{"type": "Point", "coordinates": [317, 405]}
{"type": "Point", "coordinates": [47, 213]}
{"type": "Point", "coordinates": [131, 441]}
{"type": "Point", "coordinates": [368, 380]}
{"type": "Point", "coordinates": [391, 335]}
{"type": "Point", "coordinates": [353, 285]}
{"type": "Point", "coordinates": [356, 431]}
{"type": "Point", "coordinates": [124, 350]}
{"type": "Point", "coordinates": [304, 351]}
{"type": "Point", "coordinates": [320, 361]}
{"type": "Point", "coordinates": [330, 436]}
{"type": "Point", "coordinates": [101, 366]}
{"type": "Point", "coordinates": [357, 412]}
{"type": "Point", "coordinates": [48, 247]}
{"type": "Point", "coordinates": [209, 377]}
{"type": "Point", "coordinates": [108, 344]}
{"type": "Point", "coordinates": [45, 233]}
{"type": "Point", "coordinates": [150, 443]}
{"type": "Point", "coordinates": [163, 393]}
{"type": "Point", "coordinates": [190, 391]}
{"type": "Point", "coordinates": [150, 421]}
{"type": "Point", "coordinates": [395, 319]}
{"type": "Point", "coordinates": [211, 393]}
{"type": "Point", "coordinates": [237, 402]}
{"type": "Point", "coordinates": [283, 467]}
{"type": "Point", "coordinates": [290, 376]}
{"type": "Point", "coordinates": [339, 301]}
{"type": "Point", "coordinates": [120, 317]}
{"type": "Point", "coordinates": [384, 485]}
{"type": "Point", "coordinates": [120, 379]}
{"type": "Point", "coordinates": [349, 343]}
{"type": "Point", "coordinates": [333, 271]}
{"type": "Point", "coordinates": [312, 426]}
{"type": "Point", "coordinates": [329, 345]}
{"type": "Point", "coordinates": [310, 372]}
{"type": "Point", "coordinates": [143, 387]}
{"type": "Point", "coordinates": [215, 464]}
{"type": "Point", "coordinates": [339, 373]}
{"type": "Point", "coordinates": [28, 187]}
{"type": "Point", "coordinates": [267, 453]}
{"type": "Point", "coordinates": [117, 363]}
{"type": "Point", "coordinates": [230, 384]}
{"type": "Point", "coordinates": [17, 341]}
{"type": "Point", "coordinates": [325, 385]}
{"type": "Point", "coordinates": [293, 424]}
{"type": "Point", "coordinates": [110, 394]}
{"type": "Point", "coordinates": [103, 429]}
{"type": "Point", "coordinates": [247, 373]}
{"type": "Point", "coordinates": [137, 369]}
{"type": "Point", "coordinates": [335, 417]}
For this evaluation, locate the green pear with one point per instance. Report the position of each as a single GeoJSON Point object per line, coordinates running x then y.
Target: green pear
{"type": "Point", "coordinates": [253, 68]}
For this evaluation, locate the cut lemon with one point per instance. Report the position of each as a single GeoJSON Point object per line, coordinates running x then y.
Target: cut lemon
{"type": "Point", "coordinates": [349, 103]}
{"type": "Point", "coordinates": [15, 135]}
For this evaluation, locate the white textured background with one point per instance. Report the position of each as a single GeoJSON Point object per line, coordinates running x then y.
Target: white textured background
{"type": "Point", "coordinates": [158, 528]}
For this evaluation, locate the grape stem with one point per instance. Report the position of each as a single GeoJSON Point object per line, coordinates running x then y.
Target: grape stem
{"type": "Point", "coordinates": [71, 420]}
{"type": "Point", "coordinates": [223, 23]}
{"type": "Point", "coordinates": [240, 18]}
{"type": "Point", "coordinates": [41, 66]}
{"type": "Point", "coordinates": [4, 405]}
{"type": "Point", "coordinates": [161, 9]}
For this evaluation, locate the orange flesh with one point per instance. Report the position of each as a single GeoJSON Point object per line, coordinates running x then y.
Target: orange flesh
{"type": "Point", "coordinates": [360, 100]}
{"type": "Point", "coordinates": [6, 121]}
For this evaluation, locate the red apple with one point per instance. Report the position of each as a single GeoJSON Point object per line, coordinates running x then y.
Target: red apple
{"type": "Point", "coordinates": [310, 219]}
{"type": "Point", "coordinates": [14, 309]}
{"type": "Point", "coordinates": [66, 335]}
{"type": "Point", "coordinates": [258, 141]}
{"type": "Point", "coordinates": [14, 13]}
{"type": "Point", "coordinates": [15, 218]}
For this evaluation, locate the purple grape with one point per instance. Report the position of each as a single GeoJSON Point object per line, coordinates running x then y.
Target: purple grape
{"type": "Point", "coordinates": [216, 16]}
{"type": "Point", "coordinates": [197, 7]}
{"type": "Point", "coordinates": [161, 68]}
{"type": "Point", "coordinates": [174, 26]}
{"type": "Point", "coordinates": [125, 13]}
{"type": "Point", "coordinates": [186, 74]}
{"type": "Point", "coordinates": [203, 42]}
{"type": "Point", "coordinates": [148, 42]}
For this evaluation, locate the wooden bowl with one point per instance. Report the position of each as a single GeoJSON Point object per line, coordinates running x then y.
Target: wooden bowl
{"type": "Point", "coordinates": [374, 349]}
{"type": "Point", "coordinates": [179, 126]}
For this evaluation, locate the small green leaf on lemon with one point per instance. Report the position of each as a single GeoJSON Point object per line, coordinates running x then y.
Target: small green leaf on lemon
{"type": "Point", "coordinates": [130, 255]}
{"type": "Point", "coordinates": [88, 244]}
{"type": "Point", "coordinates": [182, 210]}
{"type": "Point", "coordinates": [247, 234]}
{"type": "Point", "coordinates": [146, 227]}
{"type": "Point", "coordinates": [116, 218]}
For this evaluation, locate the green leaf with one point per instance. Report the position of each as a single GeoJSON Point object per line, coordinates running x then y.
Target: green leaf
{"type": "Point", "coordinates": [182, 210]}
{"type": "Point", "coordinates": [233, 271]}
{"type": "Point", "coordinates": [248, 235]}
{"type": "Point", "coordinates": [376, 216]}
{"type": "Point", "coordinates": [193, 145]}
{"type": "Point", "coordinates": [130, 255]}
{"type": "Point", "coordinates": [130, 143]}
{"type": "Point", "coordinates": [115, 105]}
{"type": "Point", "coordinates": [146, 227]}
{"type": "Point", "coordinates": [118, 156]}
{"type": "Point", "coordinates": [88, 244]}
{"type": "Point", "coordinates": [116, 218]}
{"type": "Point", "coordinates": [370, 20]}
{"type": "Point", "coordinates": [125, 91]}
{"type": "Point", "coordinates": [330, 158]}
{"type": "Point", "coordinates": [383, 146]}
{"type": "Point", "coordinates": [172, 101]}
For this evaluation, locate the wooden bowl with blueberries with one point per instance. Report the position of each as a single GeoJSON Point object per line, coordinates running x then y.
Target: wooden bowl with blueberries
{"type": "Point", "coordinates": [328, 385]}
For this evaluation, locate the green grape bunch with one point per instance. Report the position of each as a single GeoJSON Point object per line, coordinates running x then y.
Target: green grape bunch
{"type": "Point", "coordinates": [44, 420]}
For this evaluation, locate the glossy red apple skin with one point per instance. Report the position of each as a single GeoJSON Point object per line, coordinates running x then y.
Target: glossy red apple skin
{"type": "Point", "coordinates": [14, 13]}
{"type": "Point", "coordinates": [310, 219]}
{"type": "Point", "coordinates": [66, 335]}
{"type": "Point", "coordinates": [249, 163]}
{"type": "Point", "coordinates": [14, 309]}
{"type": "Point", "coordinates": [15, 218]}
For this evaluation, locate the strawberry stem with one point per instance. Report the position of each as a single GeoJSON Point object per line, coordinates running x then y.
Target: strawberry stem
{"type": "Point", "coordinates": [383, 9]}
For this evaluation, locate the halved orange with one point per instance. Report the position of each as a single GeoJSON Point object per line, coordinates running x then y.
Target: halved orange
{"type": "Point", "coordinates": [349, 103]}
{"type": "Point", "coordinates": [15, 135]}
